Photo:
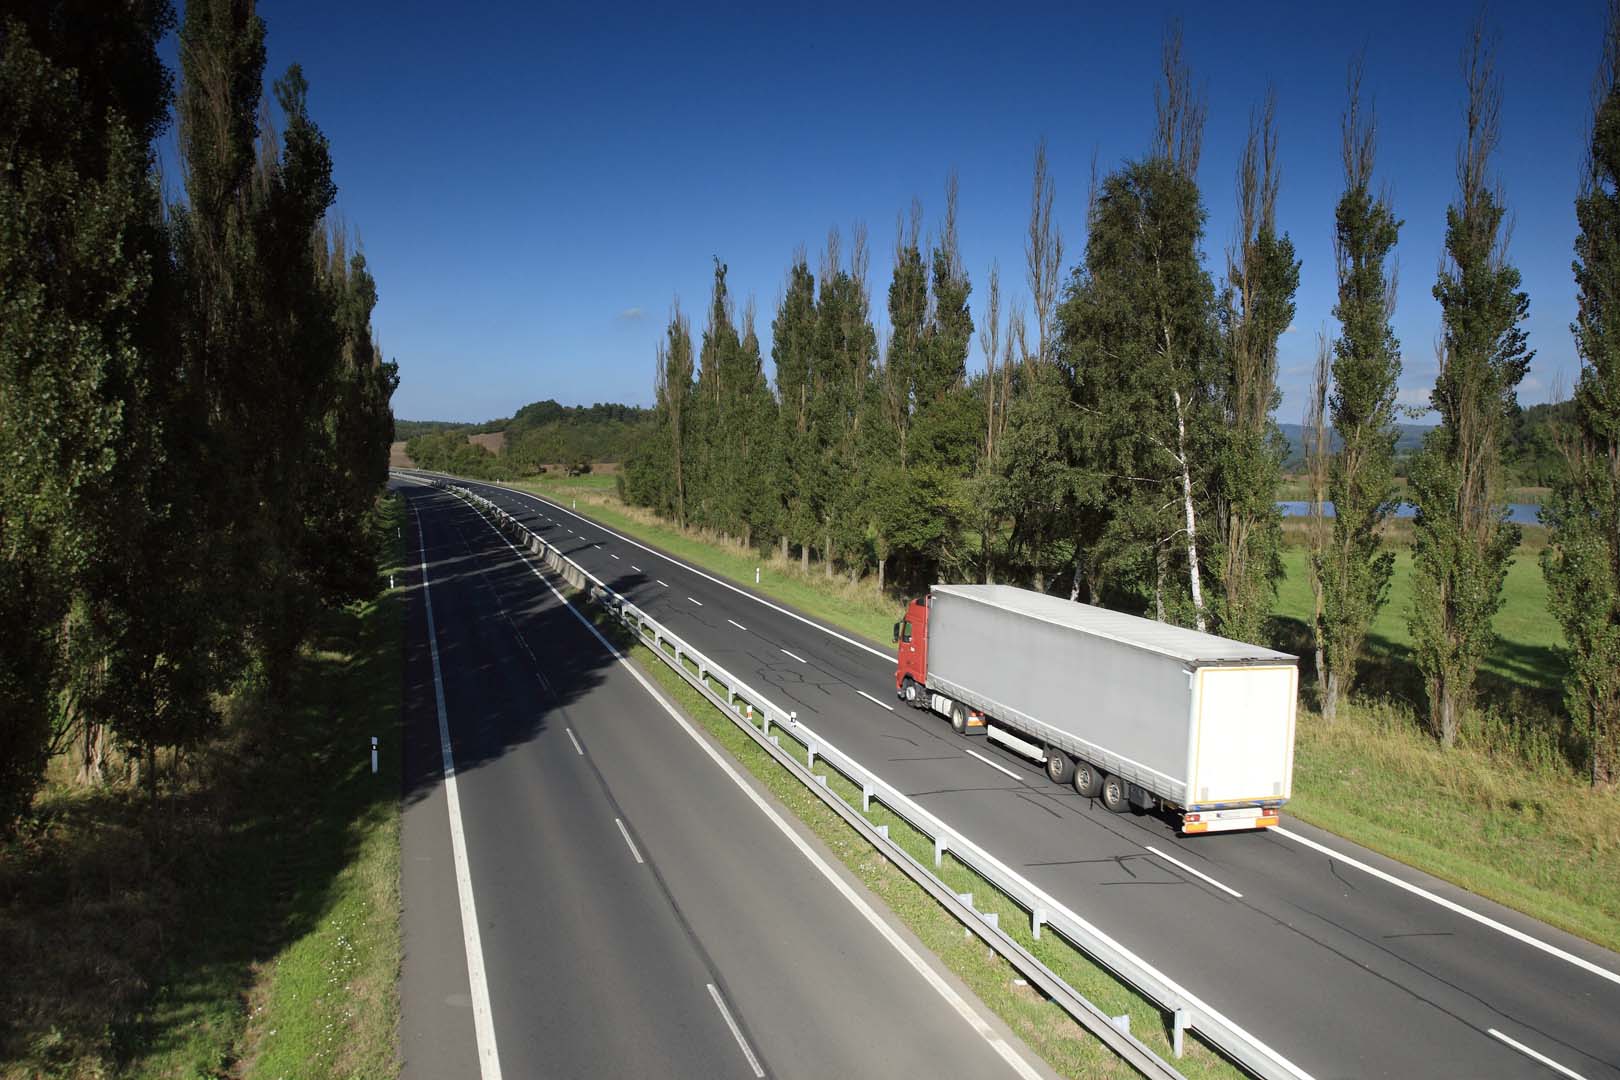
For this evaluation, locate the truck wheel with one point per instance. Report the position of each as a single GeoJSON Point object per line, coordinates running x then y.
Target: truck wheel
{"type": "Point", "coordinates": [1116, 796]}
{"type": "Point", "coordinates": [959, 719]}
{"type": "Point", "coordinates": [913, 693]}
{"type": "Point", "coordinates": [1088, 782]}
{"type": "Point", "coordinates": [1059, 767]}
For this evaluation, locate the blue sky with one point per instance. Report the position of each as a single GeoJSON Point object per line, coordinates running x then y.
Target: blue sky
{"type": "Point", "coordinates": [535, 185]}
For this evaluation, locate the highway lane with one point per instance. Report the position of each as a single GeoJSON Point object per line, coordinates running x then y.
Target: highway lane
{"type": "Point", "coordinates": [1341, 971]}
{"type": "Point", "coordinates": [625, 886]}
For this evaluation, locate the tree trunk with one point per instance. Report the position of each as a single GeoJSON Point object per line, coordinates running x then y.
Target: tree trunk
{"type": "Point", "coordinates": [984, 537]}
{"type": "Point", "coordinates": [1158, 585]}
{"type": "Point", "coordinates": [1446, 713]}
{"type": "Point", "coordinates": [91, 765]}
{"type": "Point", "coordinates": [1194, 580]}
{"type": "Point", "coordinates": [804, 559]}
{"type": "Point", "coordinates": [784, 547]}
{"type": "Point", "coordinates": [1330, 701]}
{"type": "Point", "coordinates": [881, 564]}
{"type": "Point", "coordinates": [829, 555]}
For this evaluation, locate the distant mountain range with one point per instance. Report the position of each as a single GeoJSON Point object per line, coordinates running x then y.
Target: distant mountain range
{"type": "Point", "coordinates": [1409, 439]}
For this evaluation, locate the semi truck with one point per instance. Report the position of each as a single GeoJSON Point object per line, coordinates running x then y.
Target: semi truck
{"type": "Point", "coordinates": [1138, 714]}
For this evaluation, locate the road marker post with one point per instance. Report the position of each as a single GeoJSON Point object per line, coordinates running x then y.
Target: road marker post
{"type": "Point", "coordinates": [374, 755]}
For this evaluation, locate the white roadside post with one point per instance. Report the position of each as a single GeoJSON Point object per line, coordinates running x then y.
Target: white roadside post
{"type": "Point", "coordinates": [374, 755]}
{"type": "Point", "coordinates": [756, 575]}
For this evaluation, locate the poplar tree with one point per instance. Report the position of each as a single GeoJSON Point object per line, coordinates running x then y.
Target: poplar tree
{"type": "Point", "coordinates": [1582, 560]}
{"type": "Point", "coordinates": [1257, 307]}
{"type": "Point", "coordinates": [81, 260]}
{"type": "Point", "coordinates": [793, 342]}
{"type": "Point", "coordinates": [1355, 569]}
{"type": "Point", "coordinates": [1464, 541]}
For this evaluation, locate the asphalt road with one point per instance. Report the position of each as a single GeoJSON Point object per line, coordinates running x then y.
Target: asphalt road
{"type": "Point", "coordinates": [1339, 969]}
{"type": "Point", "coordinates": [638, 911]}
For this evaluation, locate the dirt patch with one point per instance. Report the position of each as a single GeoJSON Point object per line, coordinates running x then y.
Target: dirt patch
{"type": "Point", "coordinates": [601, 468]}
{"type": "Point", "coordinates": [398, 458]}
{"type": "Point", "coordinates": [494, 442]}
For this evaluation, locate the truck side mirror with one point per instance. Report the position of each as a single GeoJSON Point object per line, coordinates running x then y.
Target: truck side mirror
{"type": "Point", "coordinates": [897, 633]}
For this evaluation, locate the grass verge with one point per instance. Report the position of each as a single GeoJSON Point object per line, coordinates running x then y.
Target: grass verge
{"type": "Point", "coordinates": [245, 922]}
{"type": "Point", "coordinates": [1046, 1028]}
{"type": "Point", "coordinates": [1502, 815]}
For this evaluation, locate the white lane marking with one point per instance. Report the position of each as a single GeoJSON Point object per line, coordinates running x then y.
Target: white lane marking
{"type": "Point", "coordinates": [879, 653]}
{"type": "Point", "coordinates": [1193, 872]}
{"type": "Point", "coordinates": [1450, 905]}
{"type": "Point", "coordinates": [874, 700]}
{"type": "Point", "coordinates": [636, 568]}
{"type": "Point", "coordinates": [624, 832]}
{"type": "Point", "coordinates": [736, 1032]}
{"type": "Point", "coordinates": [665, 584]}
{"type": "Point", "coordinates": [800, 659]}
{"type": "Point", "coordinates": [489, 1058]}
{"type": "Point", "coordinates": [696, 601]}
{"type": "Point", "coordinates": [738, 625]}
{"type": "Point", "coordinates": [1543, 1058]}
{"type": "Point", "coordinates": [993, 765]}
{"type": "Point", "coordinates": [963, 1008]}
{"type": "Point", "coordinates": [614, 556]}
{"type": "Point", "coordinates": [575, 741]}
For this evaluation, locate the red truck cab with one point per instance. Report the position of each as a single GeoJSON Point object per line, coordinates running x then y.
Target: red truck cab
{"type": "Point", "coordinates": [911, 653]}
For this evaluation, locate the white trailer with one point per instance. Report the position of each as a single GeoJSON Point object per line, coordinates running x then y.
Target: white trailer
{"type": "Point", "coordinates": [1133, 711]}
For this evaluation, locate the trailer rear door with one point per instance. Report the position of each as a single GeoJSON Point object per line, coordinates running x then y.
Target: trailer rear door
{"type": "Point", "coordinates": [1245, 736]}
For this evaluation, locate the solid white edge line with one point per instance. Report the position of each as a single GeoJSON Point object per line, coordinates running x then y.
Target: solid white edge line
{"type": "Point", "coordinates": [695, 600]}
{"type": "Point", "coordinates": [1193, 872]}
{"type": "Point", "coordinates": [993, 765]}
{"type": "Point", "coordinates": [800, 659]}
{"type": "Point", "coordinates": [738, 625]}
{"type": "Point", "coordinates": [577, 747]}
{"type": "Point", "coordinates": [1451, 905]}
{"type": "Point", "coordinates": [489, 1058]}
{"type": "Point", "coordinates": [624, 832]}
{"type": "Point", "coordinates": [874, 700]}
{"type": "Point", "coordinates": [1543, 1058]}
{"type": "Point", "coordinates": [736, 1032]}
{"type": "Point", "coordinates": [963, 1008]}
{"type": "Point", "coordinates": [879, 653]}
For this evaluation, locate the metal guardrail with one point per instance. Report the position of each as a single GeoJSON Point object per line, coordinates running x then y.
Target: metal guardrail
{"type": "Point", "coordinates": [1182, 1010]}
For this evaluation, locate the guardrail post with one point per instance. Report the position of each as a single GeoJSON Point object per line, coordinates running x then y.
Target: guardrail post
{"type": "Point", "coordinates": [1036, 918]}
{"type": "Point", "coordinates": [940, 846]}
{"type": "Point", "coordinates": [1122, 1022]}
{"type": "Point", "coordinates": [866, 798]}
{"type": "Point", "coordinates": [1179, 1021]}
{"type": "Point", "coordinates": [810, 750]}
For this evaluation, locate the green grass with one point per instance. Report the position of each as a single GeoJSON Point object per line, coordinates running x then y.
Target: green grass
{"type": "Point", "coordinates": [1530, 637]}
{"type": "Point", "coordinates": [1533, 838]}
{"type": "Point", "coordinates": [1045, 1028]}
{"type": "Point", "coordinates": [244, 923]}
{"type": "Point", "coordinates": [1503, 814]}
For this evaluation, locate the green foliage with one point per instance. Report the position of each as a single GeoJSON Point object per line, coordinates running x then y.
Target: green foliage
{"type": "Point", "coordinates": [1354, 570]}
{"type": "Point", "coordinates": [1582, 560]}
{"type": "Point", "coordinates": [451, 452]}
{"type": "Point", "coordinates": [1463, 541]}
{"type": "Point", "coordinates": [546, 433]}
{"type": "Point", "coordinates": [193, 411]}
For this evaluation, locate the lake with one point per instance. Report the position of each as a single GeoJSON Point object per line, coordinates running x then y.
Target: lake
{"type": "Point", "coordinates": [1522, 513]}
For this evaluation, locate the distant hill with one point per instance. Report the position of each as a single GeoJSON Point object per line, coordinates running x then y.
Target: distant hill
{"type": "Point", "coordinates": [1409, 439]}
{"type": "Point", "coordinates": [541, 433]}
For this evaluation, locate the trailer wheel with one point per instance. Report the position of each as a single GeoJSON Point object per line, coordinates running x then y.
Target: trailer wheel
{"type": "Point", "coordinates": [1116, 795]}
{"type": "Point", "coordinates": [959, 719]}
{"type": "Point", "coordinates": [1088, 782]}
{"type": "Point", "coordinates": [1059, 767]}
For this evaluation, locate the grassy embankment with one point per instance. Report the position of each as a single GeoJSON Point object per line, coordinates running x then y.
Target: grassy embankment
{"type": "Point", "coordinates": [1503, 814]}
{"type": "Point", "coordinates": [246, 921]}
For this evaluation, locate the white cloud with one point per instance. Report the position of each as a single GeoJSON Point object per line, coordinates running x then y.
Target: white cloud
{"type": "Point", "coordinates": [632, 314]}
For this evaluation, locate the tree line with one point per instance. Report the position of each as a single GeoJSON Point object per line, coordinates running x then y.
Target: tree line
{"type": "Point", "coordinates": [194, 412]}
{"type": "Point", "coordinates": [1122, 446]}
